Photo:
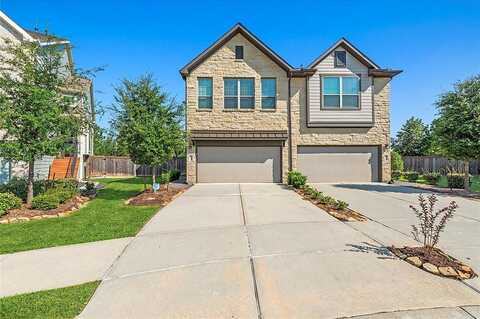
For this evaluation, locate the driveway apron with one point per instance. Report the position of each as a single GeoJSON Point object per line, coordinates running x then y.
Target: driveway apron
{"type": "Point", "coordinates": [260, 251]}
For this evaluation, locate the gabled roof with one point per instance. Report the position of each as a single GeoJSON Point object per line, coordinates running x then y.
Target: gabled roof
{"type": "Point", "coordinates": [350, 48]}
{"type": "Point", "coordinates": [15, 27]}
{"type": "Point", "coordinates": [236, 29]}
{"type": "Point", "coordinates": [46, 38]}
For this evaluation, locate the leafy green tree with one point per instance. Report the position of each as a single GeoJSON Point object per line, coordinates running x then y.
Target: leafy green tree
{"type": "Point", "coordinates": [106, 143]}
{"type": "Point", "coordinates": [38, 114]}
{"type": "Point", "coordinates": [457, 127]}
{"type": "Point", "coordinates": [413, 138]}
{"type": "Point", "coordinates": [397, 161]}
{"type": "Point", "coordinates": [148, 122]}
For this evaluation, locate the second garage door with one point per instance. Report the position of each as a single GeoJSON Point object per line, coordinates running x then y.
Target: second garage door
{"type": "Point", "coordinates": [323, 164]}
{"type": "Point", "coordinates": [238, 164]}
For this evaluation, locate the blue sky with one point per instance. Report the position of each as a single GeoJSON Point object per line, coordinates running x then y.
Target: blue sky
{"type": "Point", "coordinates": [435, 42]}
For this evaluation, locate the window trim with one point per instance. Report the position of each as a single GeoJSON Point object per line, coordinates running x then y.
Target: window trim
{"type": "Point", "coordinates": [242, 52]}
{"type": "Point", "coordinates": [341, 108]}
{"type": "Point", "coordinates": [274, 96]}
{"type": "Point", "coordinates": [199, 96]}
{"type": "Point", "coordinates": [239, 95]}
{"type": "Point", "coordinates": [335, 60]}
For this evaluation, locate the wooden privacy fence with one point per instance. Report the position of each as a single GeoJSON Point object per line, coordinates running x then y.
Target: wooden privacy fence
{"type": "Point", "coordinates": [438, 164]}
{"type": "Point", "coordinates": [123, 166]}
{"type": "Point", "coordinates": [173, 164]}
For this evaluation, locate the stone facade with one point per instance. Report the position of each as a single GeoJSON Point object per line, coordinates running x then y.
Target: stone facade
{"type": "Point", "coordinates": [223, 64]}
{"type": "Point", "coordinates": [256, 65]}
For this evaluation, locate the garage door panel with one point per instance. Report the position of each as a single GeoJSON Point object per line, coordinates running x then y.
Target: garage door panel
{"type": "Point", "coordinates": [339, 164]}
{"type": "Point", "coordinates": [224, 164]}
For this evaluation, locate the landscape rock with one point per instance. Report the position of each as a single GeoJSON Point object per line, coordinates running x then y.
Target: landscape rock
{"type": "Point", "coordinates": [23, 219]}
{"type": "Point", "coordinates": [49, 216]}
{"type": "Point", "coordinates": [36, 217]}
{"type": "Point", "coordinates": [414, 260]}
{"type": "Point", "coordinates": [464, 275]}
{"type": "Point", "coordinates": [12, 220]}
{"type": "Point", "coordinates": [466, 268]}
{"type": "Point", "coordinates": [5, 221]}
{"type": "Point", "coordinates": [448, 271]}
{"type": "Point", "coordinates": [430, 268]}
{"type": "Point", "coordinates": [65, 214]}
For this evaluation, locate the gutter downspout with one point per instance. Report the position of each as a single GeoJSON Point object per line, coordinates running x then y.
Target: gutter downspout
{"type": "Point", "coordinates": [289, 121]}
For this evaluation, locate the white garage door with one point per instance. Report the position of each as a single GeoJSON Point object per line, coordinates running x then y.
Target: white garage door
{"type": "Point", "coordinates": [238, 164]}
{"type": "Point", "coordinates": [323, 164]}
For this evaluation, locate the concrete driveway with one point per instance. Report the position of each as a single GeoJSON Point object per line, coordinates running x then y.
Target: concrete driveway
{"type": "Point", "coordinates": [391, 218]}
{"type": "Point", "coordinates": [260, 251]}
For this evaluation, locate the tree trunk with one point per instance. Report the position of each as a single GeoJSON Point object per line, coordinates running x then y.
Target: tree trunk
{"type": "Point", "coordinates": [30, 182]}
{"type": "Point", "coordinates": [466, 181]}
{"type": "Point", "coordinates": [144, 182]}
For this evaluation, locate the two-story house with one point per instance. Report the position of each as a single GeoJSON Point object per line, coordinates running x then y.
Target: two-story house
{"type": "Point", "coordinates": [252, 117]}
{"type": "Point", "coordinates": [83, 89]}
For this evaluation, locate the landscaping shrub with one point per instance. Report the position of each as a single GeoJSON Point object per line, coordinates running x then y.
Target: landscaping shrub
{"type": "Point", "coordinates": [18, 187]}
{"type": "Point", "coordinates": [396, 175]}
{"type": "Point", "coordinates": [164, 177]}
{"type": "Point", "coordinates": [174, 175]}
{"type": "Point", "coordinates": [62, 194]}
{"type": "Point", "coordinates": [68, 184]}
{"type": "Point", "coordinates": [455, 180]}
{"type": "Point", "coordinates": [396, 162]}
{"type": "Point", "coordinates": [341, 205]}
{"type": "Point", "coordinates": [296, 179]}
{"type": "Point", "coordinates": [327, 200]}
{"type": "Point", "coordinates": [8, 201]}
{"type": "Point", "coordinates": [411, 176]}
{"type": "Point", "coordinates": [430, 222]}
{"type": "Point", "coordinates": [45, 202]}
{"type": "Point", "coordinates": [431, 178]}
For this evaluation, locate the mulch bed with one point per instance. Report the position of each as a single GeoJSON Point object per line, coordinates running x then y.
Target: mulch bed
{"type": "Point", "coordinates": [161, 198]}
{"type": "Point", "coordinates": [25, 213]}
{"type": "Point", "coordinates": [434, 261]}
{"type": "Point", "coordinates": [345, 215]}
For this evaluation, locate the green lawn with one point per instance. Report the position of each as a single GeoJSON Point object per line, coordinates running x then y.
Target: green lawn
{"type": "Point", "coordinates": [105, 217]}
{"type": "Point", "coordinates": [442, 182]}
{"type": "Point", "coordinates": [56, 303]}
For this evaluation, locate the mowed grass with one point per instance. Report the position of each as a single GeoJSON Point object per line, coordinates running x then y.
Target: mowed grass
{"type": "Point", "coordinates": [105, 217]}
{"type": "Point", "coordinates": [442, 182]}
{"type": "Point", "coordinates": [474, 183]}
{"type": "Point", "coordinates": [56, 303]}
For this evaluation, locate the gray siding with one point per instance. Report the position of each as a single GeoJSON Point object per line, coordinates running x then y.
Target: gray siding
{"type": "Point", "coordinates": [320, 117]}
{"type": "Point", "coordinates": [42, 167]}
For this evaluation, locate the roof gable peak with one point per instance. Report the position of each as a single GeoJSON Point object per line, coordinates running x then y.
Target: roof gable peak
{"type": "Point", "coordinates": [236, 29]}
{"type": "Point", "coordinates": [350, 48]}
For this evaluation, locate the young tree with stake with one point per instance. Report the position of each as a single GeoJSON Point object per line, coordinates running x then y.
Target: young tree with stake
{"type": "Point", "coordinates": [148, 122]}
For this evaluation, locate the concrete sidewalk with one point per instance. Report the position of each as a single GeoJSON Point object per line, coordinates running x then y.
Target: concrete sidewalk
{"type": "Point", "coordinates": [57, 267]}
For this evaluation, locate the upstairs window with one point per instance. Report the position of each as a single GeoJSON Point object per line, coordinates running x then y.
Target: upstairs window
{"type": "Point", "coordinates": [239, 52]}
{"type": "Point", "coordinates": [340, 59]}
{"type": "Point", "coordinates": [205, 100]}
{"type": "Point", "coordinates": [269, 93]}
{"type": "Point", "coordinates": [239, 93]}
{"type": "Point", "coordinates": [341, 92]}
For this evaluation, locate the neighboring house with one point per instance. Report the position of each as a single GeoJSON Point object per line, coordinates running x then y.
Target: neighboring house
{"type": "Point", "coordinates": [83, 89]}
{"type": "Point", "coordinates": [252, 117]}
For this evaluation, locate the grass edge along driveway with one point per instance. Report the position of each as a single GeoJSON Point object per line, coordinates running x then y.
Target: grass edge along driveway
{"type": "Point", "coordinates": [105, 217]}
{"type": "Point", "coordinates": [65, 302]}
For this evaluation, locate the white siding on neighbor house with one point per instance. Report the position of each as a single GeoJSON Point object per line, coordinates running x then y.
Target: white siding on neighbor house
{"type": "Point", "coordinates": [42, 167]}
{"type": "Point", "coordinates": [320, 117]}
